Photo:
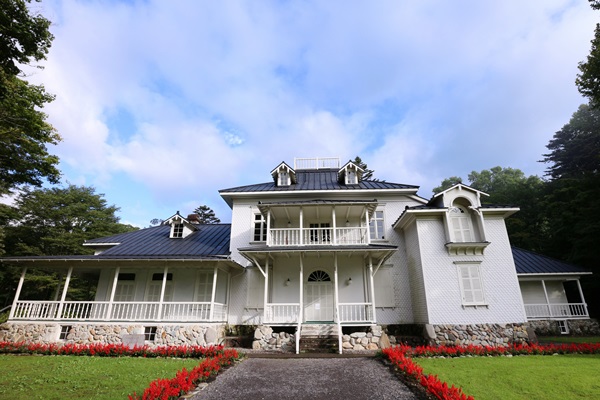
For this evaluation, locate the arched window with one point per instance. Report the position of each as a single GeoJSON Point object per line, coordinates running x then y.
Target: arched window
{"type": "Point", "coordinates": [460, 224]}
{"type": "Point", "coordinates": [319, 276]}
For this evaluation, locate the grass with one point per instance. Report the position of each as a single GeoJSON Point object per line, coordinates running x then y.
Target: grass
{"type": "Point", "coordinates": [572, 376]}
{"type": "Point", "coordinates": [569, 339]}
{"type": "Point", "coordinates": [78, 377]}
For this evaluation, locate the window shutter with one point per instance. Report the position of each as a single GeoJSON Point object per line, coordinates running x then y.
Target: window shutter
{"type": "Point", "coordinates": [256, 289]}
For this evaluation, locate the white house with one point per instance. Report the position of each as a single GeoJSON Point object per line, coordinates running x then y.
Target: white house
{"type": "Point", "coordinates": [315, 252]}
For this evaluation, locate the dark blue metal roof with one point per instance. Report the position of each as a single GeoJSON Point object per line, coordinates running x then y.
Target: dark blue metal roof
{"type": "Point", "coordinates": [208, 241]}
{"type": "Point", "coordinates": [323, 179]}
{"type": "Point", "coordinates": [528, 262]}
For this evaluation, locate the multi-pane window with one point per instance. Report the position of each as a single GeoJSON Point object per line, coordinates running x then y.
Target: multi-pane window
{"type": "Point", "coordinates": [284, 178]}
{"type": "Point", "coordinates": [125, 290]}
{"type": "Point", "coordinates": [64, 332]}
{"type": "Point", "coordinates": [461, 225]}
{"type": "Point", "coordinates": [471, 284]}
{"type": "Point", "coordinates": [150, 333]}
{"type": "Point", "coordinates": [260, 228]}
{"type": "Point", "coordinates": [351, 176]}
{"type": "Point", "coordinates": [376, 226]}
{"type": "Point", "coordinates": [204, 285]}
{"type": "Point", "coordinates": [177, 230]}
{"type": "Point", "coordinates": [155, 286]}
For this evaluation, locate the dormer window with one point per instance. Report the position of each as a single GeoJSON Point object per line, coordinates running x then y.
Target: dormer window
{"type": "Point", "coordinates": [283, 175]}
{"type": "Point", "coordinates": [283, 178]}
{"type": "Point", "coordinates": [352, 178]}
{"type": "Point", "coordinates": [180, 227]}
{"type": "Point", "coordinates": [177, 230]}
{"type": "Point", "coordinates": [350, 174]}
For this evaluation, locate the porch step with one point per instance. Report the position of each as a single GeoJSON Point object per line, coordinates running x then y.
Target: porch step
{"type": "Point", "coordinates": [319, 338]}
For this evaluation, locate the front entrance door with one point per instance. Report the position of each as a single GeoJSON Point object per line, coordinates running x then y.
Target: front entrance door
{"type": "Point", "coordinates": [318, 297]}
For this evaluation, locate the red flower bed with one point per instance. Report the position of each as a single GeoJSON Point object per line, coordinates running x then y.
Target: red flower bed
{"type": "Point", "coordinates": [400, 356]}
{"type": "Point", "coordinates": [184, 381]}
{"type": "Point", "coordinates": [110, 350]}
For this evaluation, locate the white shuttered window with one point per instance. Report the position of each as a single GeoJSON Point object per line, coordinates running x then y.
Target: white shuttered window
{"type": "Point", "coordinates": [471, 284]}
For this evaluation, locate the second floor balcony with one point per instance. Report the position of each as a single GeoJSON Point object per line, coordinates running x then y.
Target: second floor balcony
{"type": "Point", "coordinates": [318, 223]}
{"type": "Point", "coordinates": [318, 236]}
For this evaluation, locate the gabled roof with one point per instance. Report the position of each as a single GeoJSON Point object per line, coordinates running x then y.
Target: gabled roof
{"type": "Point", "coordinates": [530, 263]}
{"type": "Point", "coordinates": [459, 186]}
{"type": "Point", "coordinates": [211, 240]}
{"type": "Point", "coordinates": [318, 180]}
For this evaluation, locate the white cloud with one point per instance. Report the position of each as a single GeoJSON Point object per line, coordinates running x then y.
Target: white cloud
{"type": "Point", "coordinates": [215, 94]}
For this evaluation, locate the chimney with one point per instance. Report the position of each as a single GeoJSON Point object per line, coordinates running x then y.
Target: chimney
{"type": "Point", "coordinates": [194, 218]}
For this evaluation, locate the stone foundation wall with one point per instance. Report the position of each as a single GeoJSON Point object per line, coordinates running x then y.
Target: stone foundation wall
{"type": "Point", "coordinates": [267, 339]}
{"type": "Point", "coordinates": [166, 335]}
{"type": "Point", "coordinates": [577, 327]}
{"type": "Point", "coordinates": [374, 338]}
{"type": "Point", "coordinates": [477, 334]}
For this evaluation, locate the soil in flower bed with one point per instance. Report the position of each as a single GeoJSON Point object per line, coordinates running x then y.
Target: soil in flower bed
{"type": "Point", "coordinates": [77, 377]}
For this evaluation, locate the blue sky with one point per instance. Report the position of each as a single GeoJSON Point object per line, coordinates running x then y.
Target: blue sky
{"type": "Point", "coordinates": [162, 103]}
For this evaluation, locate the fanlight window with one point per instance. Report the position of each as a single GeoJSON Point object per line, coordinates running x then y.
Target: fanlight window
{"type": "Point", "coordinates": [319, 276]}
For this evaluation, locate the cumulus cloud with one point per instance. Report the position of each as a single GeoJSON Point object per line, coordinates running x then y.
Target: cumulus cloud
{"type": "Point", "coordinates": [179, 99]}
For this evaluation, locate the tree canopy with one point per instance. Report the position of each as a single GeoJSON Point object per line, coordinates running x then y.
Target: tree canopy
{"type": "Point", "coordinates": [24, 132]}
{"type": "Point", "coordinates": [206, 215]}
{"type": "Point", "coordinates": [58, 220]}
{"type": "Point", "coordinates": [368, 173]}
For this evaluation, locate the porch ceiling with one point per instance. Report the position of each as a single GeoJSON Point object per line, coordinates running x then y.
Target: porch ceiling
{"type": "Point", "coordinates": [379, 253]}
{"type": "Point", "coordinates": [318, 209]}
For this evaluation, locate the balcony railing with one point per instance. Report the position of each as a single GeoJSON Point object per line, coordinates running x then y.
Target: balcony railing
{"type": "Point", "coordinates": [317, 236]}
{"type": "Point", "coordinates": [282, 313]}
{"type": "Point", "coordinates": [355, 312]}
{"type": "Point", "coordinates": [556, 311]}
{"type": "Point", "coordinates": [119, 311]}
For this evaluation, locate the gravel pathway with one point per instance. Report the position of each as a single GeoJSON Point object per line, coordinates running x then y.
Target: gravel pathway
{"type": "Point", "coordinates": [306, 378]}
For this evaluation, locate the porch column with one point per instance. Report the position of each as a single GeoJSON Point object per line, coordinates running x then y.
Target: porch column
{"type": "Point", "coordinates": [301, 228]}
{"type": "Point", "coordinates": [333, 225]}
{"type": "Point", "coordinates": [301, 312]}
{"type": "Point", "coordinates": [162, 293]}
{"type": "Point", "coordinates": [335, 288]}
{"type": "Point", "coordinates": [266, 294]}
{"type": "Point", "coordinates": [367, 226]}
{"type": "Point", "coordinates": [212, 297]}
{"type": "Point", "coordinates": [64, 294]}
{"type": "Point", "coordinates": [112, 294]}
{"type": "Point", "coordinates": [372, 284]}
{"type": "Point", "coordinates": [547, 300]}
{"type": "Point", "coordinates": [17, 294]}
{"type": "Point", "coordinates": [581, 297]}
{"type": "Point", "coordinates": [269, 227]}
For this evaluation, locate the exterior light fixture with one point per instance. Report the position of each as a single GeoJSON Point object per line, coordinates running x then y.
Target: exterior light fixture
{"type": "Point", "coordinates": [287, 283]}
{"type": "Point", "coordinates": [349, 281]}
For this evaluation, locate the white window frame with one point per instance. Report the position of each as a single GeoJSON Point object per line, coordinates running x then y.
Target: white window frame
{"type": "Point", "coordinates": [157, 283]}
{"type": "Point", "coordinates": [378, 215]}
{"type": "Point", "coordinates": [461, 225]}
{"type": "Point", "coordinates": [351, 177]}
{"type": "Point", "coordinates": [204, 288]}
{"type": "Point", "coordinates": [283, 178]}
{"type": "Point", "coordinates": [262, 228]}
{"type": "Point", "coordinates": [474, 279]}
{"type": "Point", "coordinates": [177, 230]}
{"type": "Point", "coordinates": [129, 284]}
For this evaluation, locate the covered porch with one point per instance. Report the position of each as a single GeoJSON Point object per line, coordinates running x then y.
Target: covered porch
{"type": "Point", "coordinates": [129, 291]}
{"type": "Point", "coordinates": [314, 286]}
{"type": "Point", "coordinates": [557, 298]}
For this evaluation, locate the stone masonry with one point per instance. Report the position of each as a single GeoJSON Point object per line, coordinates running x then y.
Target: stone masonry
{"type": "Point", "coordinates": [165, 335]}
{"type": "Point", "coordinates": [266, 339]}
{"type": "Point", "coordinates": [477, 334]}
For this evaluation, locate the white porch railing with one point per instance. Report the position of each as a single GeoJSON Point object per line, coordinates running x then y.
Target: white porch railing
{"type": "Point", "coordinates": [317, 236]}
{"type": "Point", "coordinates": [119, 311]}
{"type": "Point", "coordinates": [316, 163]}
{"type": "Point", "coordinates": [282, 313]}
{"type": "Point", "coordinates": [556, 311]}
{"type": "Point", "coordinates": [355, 312]}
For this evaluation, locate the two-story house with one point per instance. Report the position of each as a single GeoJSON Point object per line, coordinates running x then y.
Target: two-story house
{"type": "Point", "coordinates": [315, 251]}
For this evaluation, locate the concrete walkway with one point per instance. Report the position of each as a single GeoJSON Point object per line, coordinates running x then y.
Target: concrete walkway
{"type": "Point", "coordinates": [306, 378]}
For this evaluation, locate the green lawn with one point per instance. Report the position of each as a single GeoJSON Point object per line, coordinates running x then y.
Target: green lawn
{"type": "Point", "coordinates": [79, 377]}
{"type": "Point", "coordinates": [571, 376]}
{"type": "Point", "coordinates": [569, 339]}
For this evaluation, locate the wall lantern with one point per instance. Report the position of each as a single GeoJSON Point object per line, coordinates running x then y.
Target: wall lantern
{"type": "Point", "coordinates": [349, 281]}
{"type": "Point", "coordinates": [287, 283]}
